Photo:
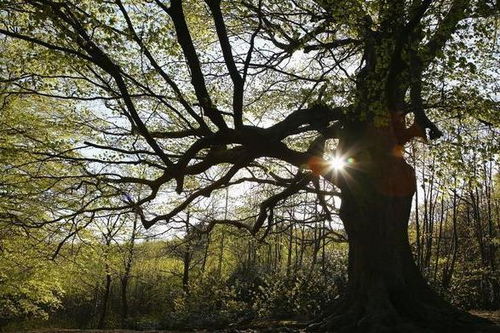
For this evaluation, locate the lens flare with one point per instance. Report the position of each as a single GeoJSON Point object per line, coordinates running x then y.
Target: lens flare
{"type": "Point", "coordinates": [338, 163]}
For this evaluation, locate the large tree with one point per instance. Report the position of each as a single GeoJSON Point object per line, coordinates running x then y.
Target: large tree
{"type": "Point", "coordinates": [209, 95]}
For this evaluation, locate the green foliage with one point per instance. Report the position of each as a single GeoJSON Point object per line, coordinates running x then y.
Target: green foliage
{"type": "Point", "coordinates": [302, 296]}
{"type": "Point", "coordinates": [232, 277]}
{"type": "Point", "coordinates": [211, 303]}
{"type": "Point", "coordinates": [31, 131]}
{"type": "Point", "coordinates": [456, 246]}
{"type": "Point", "coordinates": [30, 286]}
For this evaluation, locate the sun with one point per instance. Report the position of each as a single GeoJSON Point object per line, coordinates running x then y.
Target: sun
{"type": "Point", "coordinates": [337, 163]}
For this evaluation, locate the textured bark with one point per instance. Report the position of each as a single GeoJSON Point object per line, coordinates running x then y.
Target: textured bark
{"type": "Point", "coordinates": [386, 291]}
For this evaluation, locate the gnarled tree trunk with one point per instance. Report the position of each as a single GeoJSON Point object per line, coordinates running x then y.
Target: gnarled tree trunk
{"type": "Point", "coordinates": [386, 291]}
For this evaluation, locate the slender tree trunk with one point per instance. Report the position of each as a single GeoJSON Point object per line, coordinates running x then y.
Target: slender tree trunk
{"type": "Point", "coordinates": [277, 251]}
{"type": "Point", "coordinates": [417, 221]}
{"type": "Point", "coordinates": [127, 272]}
{"type": "Point", "coordinates": [269, 256]}
{"type": "Point", "coordinates": [449, 272]}
{"type": "Point", "coordinates": [302, 246]}
{"type": "Point", "coordinates": [185, 271]}
{"type": "Point", "coordinates": [223, 235]}
{"type": "Point", "coordinates": [186, 258]}
{"type": "Point", "coordinates": [425, 220]}
{"type": "Point", "coordinates": [124, 286]}
{"type": "Point", "coordinates": [492, 253]}
{"type": "Point", "coordinates": [488, 170]}
{"type": "Point", "coordinates": [303, 234]}
{"type": "Point", "coordinates": [323, 248]}
{"type": "Point", "coordinates": [105, 299]}
{"type": "Point", "coordinates": [430, 223]}
{"type": "Point", "coordinates": [316, 246]}
{"type": "Point", "coordinates": [438, 242]}
{"type": "Point", "coordinates": [289, 252]}
{"type": "Point", "coordinates": [205, 254]}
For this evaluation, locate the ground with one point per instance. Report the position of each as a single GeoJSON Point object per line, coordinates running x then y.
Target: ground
{"type": "Point", "coordinates": [252, 327]}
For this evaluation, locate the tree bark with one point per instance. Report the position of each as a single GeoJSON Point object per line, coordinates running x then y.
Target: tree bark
{"type": "Point", "coordinates": [205, 254]}
{"type": "Point", "coordinates": [386, 291]}
{"type": "Point", "coordinates": [185, 272]}
{"type": "Point", "coordinates": [105, 299]}
{"type": "Point", "coordinates": [448, 273]}
{"type": "Point", "coordinates": [186, 259]}
{"type": "Point", "coordinates": [125, 278]}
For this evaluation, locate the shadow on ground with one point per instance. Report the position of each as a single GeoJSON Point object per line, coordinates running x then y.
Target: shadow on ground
{"type": "Point", "coordinates": [280, 326]}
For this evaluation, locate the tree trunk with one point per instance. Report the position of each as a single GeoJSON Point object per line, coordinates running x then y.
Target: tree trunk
{"type": "Point", "coordinates": [417, 222]}
{"type": "Point", "coordinates": [386, 291]}
{"type": "Point", "coordinates": [125, 278]}
{"type": "Point", "coordinates": [492, 253]}
{"type": "Point", "coordinates": [438, 241]}
{"type": "Point", "coordinates": [105, 299]}
{"type": "Point", "coordinates": [289, 251]}
{"type": "Point", "coordinates": [448, 274]}
{"type": "Point", "coordinates": [124, 310]}
{"type": "Point", "coordinates": [187, 256]}
{"type": "Point", "coordinates": [185, 272]}
{"type": "Point", "coordinates": [205, 254]}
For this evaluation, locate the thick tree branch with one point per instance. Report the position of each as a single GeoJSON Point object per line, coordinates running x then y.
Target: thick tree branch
{"type": "Point", "coordinates": [444, 31]}
{"type": "Point", "coordinates": [416, 102]}
{"type": "Point", "coordinates": [103, 61]}
{"type": "Point", "coordinates": [238, 82]}
{"type": "Point", "coordinates": [206, 192]}
{"type": "Point", "coordinates": [331, 45]}
{"type": "Point", "coordinates": [160, 71]}
{"type": "Point", "coordinates": [176, 13]}
{"type": "Point", "coordinates": [318, 116]}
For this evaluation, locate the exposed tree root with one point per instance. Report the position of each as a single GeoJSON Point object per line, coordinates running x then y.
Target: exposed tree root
{"type": "Point", "coordinates": [414, 318]}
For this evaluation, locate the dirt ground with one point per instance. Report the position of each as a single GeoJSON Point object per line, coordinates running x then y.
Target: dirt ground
{"type": "Point", "coordinates": [260, 326]}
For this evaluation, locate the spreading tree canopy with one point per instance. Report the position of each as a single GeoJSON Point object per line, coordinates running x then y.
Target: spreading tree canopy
{"type": "Point", "coordinates": [187, 98]}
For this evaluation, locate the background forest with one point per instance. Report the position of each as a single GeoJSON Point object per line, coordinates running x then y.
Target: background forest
{"type": "Point", "coordinates": [113, 273]}
{"type": "Point", "coordinates": [161, 172]}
